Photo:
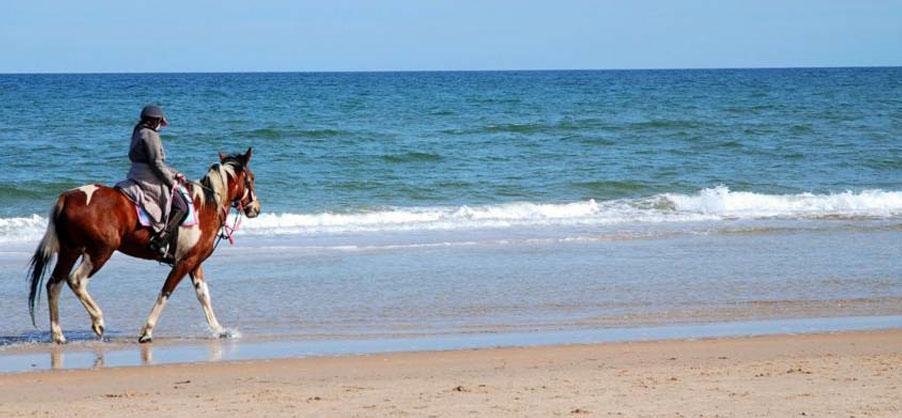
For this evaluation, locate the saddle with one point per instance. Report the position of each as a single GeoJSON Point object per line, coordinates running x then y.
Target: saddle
{"type": "Point", "coordinates": [190, 218]}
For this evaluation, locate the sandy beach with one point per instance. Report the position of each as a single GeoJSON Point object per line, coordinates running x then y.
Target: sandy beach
{"type": "Point", "coordinates": [840, 374]}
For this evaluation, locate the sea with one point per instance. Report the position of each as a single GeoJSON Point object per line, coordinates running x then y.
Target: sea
{"type": "Point", "coordinates": [443, 210]}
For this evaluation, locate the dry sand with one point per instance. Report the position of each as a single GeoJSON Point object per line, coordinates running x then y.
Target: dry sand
{"type": "Point", "coordinates": [838, 375]}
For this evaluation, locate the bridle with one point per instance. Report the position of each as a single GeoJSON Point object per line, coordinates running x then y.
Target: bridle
{"type": "Point", "coordinates": [247, 198]}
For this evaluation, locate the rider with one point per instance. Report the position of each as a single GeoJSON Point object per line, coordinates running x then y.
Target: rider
{"type": "Point", "coordinates": [157, 180]}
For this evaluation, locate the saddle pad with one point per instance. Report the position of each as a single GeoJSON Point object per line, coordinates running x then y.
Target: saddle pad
{"type": "Point", "coordinates": [190, 220]}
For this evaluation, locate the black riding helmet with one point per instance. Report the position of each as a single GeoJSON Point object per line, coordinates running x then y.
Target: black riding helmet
{"type": "Point", "coordinates": [154, 112]}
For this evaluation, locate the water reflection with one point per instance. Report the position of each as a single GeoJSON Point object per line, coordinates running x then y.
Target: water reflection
{"type": "Point", "coordinates": [56, 357]}
{"type": "Point", "coordinates": [146, 354]}
{"type": "Point", "coordinates": [214, 351]}
{"type": "Point", "coordinates": [103, 355]}
{"type": "Point", "coordinates": [98, 359]}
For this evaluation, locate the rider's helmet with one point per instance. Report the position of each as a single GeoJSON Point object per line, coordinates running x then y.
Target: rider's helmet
{"type": "Point", "coordinates": [154, 112]}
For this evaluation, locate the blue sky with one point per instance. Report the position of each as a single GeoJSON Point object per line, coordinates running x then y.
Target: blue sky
{"type": "Point", "coordinates": [358, 35]}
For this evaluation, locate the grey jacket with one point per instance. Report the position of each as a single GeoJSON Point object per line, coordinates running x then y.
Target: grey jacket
{"type": "Point", "coordinates": [146, 148]}
{"type": "Point", "coordinates": [150, 180]}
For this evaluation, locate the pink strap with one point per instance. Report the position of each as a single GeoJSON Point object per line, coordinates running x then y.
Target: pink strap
{"type": "Point", "coordinates": [230, 230]}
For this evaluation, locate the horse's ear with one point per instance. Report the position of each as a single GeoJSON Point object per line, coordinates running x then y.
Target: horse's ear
{"type": "Point", "coordinates": [247, 155]}
{"type": "Point", "coordinates": [222, 156]}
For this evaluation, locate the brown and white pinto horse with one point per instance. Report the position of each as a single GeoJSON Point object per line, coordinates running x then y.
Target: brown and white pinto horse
{"type": "Point", "coordinates": [93, 221]}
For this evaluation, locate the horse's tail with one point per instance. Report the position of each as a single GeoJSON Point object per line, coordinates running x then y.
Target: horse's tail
{"type": "Point", "coordinates": [40, 261]}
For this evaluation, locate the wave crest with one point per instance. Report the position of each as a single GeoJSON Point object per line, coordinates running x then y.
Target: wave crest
{"type": "Point", "coordinates": [22, 229]}
{"type": "Point", "coordinates": [718, 203]}
{"type": "Point", "coordinates": [723, 202]}
{"type": "Point", "coordinates": [712, 204]}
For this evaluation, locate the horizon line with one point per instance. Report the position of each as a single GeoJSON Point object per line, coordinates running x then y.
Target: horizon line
{"type": "Point", "coordinates": [451, 71]}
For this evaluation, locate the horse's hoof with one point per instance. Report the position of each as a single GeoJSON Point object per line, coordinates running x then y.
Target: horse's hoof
{"type": "Point", "coordinates": [59, 340]}
{"type": "Point", "coordinates": [98, 329]}
{"type": "Point", "coordinates": [226, 333]}
{"type": "Point", "coordinates": [145, 339]}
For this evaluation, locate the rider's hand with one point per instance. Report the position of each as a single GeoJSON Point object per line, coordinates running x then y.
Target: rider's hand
{"type": "Point", "coordinates": [179, 177]}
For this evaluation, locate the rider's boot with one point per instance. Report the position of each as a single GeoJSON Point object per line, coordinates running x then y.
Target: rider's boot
{"type": "Point", "coordinates": [166, 241]}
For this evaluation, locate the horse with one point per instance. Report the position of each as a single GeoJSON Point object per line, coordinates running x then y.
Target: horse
{"type": "Point", "coordinates": [94, 221]}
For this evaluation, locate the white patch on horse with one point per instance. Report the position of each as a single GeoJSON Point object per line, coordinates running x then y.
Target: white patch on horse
{"type": "Point", "coordinates": [188, 238]}
{"type": "Point", "coordinates": [78, 282]}
{"type": "Point", "coordinates": [217, 179]}
{"type": "Point", "coordinates": [88, 190]}
{"type": "Point", "coordinates": [147, 331]}
{"type": "Point", "coordinates": [225, 171]}
{"type": "Point", "coordinates": [197, 193]}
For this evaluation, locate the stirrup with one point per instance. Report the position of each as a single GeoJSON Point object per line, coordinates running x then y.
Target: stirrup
{"type": "Point", "coordinates": [157, 244]}
{"type": "Point", "coordinates": [167, 259]}
{"type": "Point", "coordinates": [168, 253]}
{"type": "Point", "coordinates": [163, 253]}
{"type": "Point", "coordinates": [160, 246]}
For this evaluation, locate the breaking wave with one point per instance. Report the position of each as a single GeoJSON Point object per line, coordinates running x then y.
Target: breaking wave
{"type": "Point", "coordinates": [22, 229]}
{"type": "Point", "coordinates": [718, 203]}
{"type": "Point", "coordinates": [712, 204]}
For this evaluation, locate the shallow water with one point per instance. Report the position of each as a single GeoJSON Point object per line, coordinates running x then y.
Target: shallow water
{"type": "Point", "coordinates": [97, 354]}
{"type": "Point", "coordinates": [384, 285]}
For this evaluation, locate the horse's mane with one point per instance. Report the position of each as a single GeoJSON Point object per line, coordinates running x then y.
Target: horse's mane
{"type": "Point", "coordinates": [216, 181]}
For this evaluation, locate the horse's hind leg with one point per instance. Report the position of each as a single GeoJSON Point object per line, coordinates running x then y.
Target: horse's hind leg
{"type": "Point", "coordinates": [91, 262]}
{"type": "Point", "coordinates": [64, 263]}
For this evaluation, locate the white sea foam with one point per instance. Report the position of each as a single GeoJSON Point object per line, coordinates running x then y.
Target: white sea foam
{"type": "Point", "coordinates": [464, 217]}
{"type": "Point", "coordinates": [722, 202]}
{"type": "Point", "coordinates": [22, 229]}
{"type": "Point", "coordinates": [713, 204]}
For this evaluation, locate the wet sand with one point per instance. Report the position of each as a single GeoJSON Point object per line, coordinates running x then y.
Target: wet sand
{"type": "Point", "coordinates": [841, 374]}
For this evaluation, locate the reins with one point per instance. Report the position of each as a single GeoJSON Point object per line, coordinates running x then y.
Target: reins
{"type": "Point", "coordinates": [201, 185]}
{"type": "Point", "coordinates": [226, 231]}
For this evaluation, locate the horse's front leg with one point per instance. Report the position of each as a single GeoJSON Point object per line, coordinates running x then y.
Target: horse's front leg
{"type": "Point", "coordinates": [203, 296]}
{"type": "Point", "coordinates": [175, 276]}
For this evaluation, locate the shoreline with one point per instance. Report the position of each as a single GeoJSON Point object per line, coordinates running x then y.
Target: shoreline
{"type": "Point", "coordinates": [835, 374]}
{"type": "Point", "coordinates": [85, 352]}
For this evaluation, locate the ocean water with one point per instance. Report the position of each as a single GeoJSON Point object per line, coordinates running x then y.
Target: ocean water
{"type": "Point", "coordinates": [464, 203]}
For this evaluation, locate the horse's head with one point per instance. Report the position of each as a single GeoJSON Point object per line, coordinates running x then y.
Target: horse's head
{"type": "Point", "coordinates": [241, 191]}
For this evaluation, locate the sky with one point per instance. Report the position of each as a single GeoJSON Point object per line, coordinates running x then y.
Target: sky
{"type": "Point", "coordinates": [359, 35]}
